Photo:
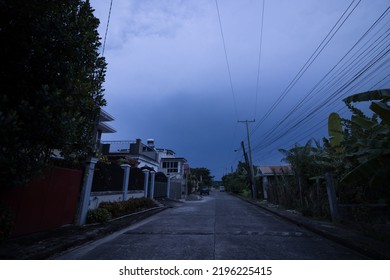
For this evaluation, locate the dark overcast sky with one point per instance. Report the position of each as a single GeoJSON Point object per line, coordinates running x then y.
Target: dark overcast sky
{"type": "Point", "coordinates": [167, 75]}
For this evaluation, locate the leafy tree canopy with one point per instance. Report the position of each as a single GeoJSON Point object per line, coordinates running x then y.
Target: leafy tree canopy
{"type": "Point", "coordinates": [202, 174]}
{"type": "Point", "coordinates": [51, 79]}
{"type": "Point", "coordinates": [238, 180]}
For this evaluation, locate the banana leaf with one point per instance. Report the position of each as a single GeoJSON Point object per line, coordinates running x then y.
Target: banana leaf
{"type": "Point", "coordinates": [363, 122]}
{"type": "Point", "coordinates": [335, 130]}
{"type": "Point", "coordinates": [374, 171]}
{"type": "Point", "coordinates": [382, 110]}
{"type": "Point", "coordinates": [379, 94]}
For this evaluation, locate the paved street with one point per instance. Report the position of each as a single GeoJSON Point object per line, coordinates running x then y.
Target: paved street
{"type": "Point", "coordinates": [220, 226]}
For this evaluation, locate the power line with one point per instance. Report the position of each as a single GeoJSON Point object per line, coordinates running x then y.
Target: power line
{"type": "Point", "coordinates": [326, 103]}
{"type": "Point", "coordinates": [259, 60]}
{"type": "Point", "coordinates": [309, 132]}
{"type": "Point", "coordinates": [332, 83]}
{"type": "Point", "coordinates": [227, 60]}
{"type": "Point", "coordinates": [309, 62]}
{"type": "Point", "coordinates": [363, 70]}
{"type": "Point", "coordinates": [105, 34]}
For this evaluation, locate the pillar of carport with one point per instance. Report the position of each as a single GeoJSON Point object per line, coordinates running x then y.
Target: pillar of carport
{"type": "Point", "coordinates": [168, 187]}
{"type": "Point", "coordinates": [152, 179]}
{"type": "Point", "coordinates": [146, 182]}
{"type": "Point", "coordinates": [86, 191]}
{"type": "Point", "coordinates": [125, 186]}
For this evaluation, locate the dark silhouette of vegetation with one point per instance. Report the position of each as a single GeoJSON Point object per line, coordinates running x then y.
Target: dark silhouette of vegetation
{"type": "Point", "coordinates": [201, 175]}
{"type": "Point", "coordinates": [357, 153]}
{"type": "Point", "coordinates": [239, 181]}
{"type": "Point", "coordinates": [51, 79]}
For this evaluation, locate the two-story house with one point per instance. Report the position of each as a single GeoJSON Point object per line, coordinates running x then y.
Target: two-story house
{"type": "Point", "coordinates": [175, 167]}
{"type": "Point", "coordinates": [143, 155]}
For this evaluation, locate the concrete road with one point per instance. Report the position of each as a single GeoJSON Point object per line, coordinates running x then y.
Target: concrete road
{"type": "Point", "coordinates": [220, 226]}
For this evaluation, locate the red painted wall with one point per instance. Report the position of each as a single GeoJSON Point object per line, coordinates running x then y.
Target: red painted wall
{"type": "Point", "coordinates": [47, 202]}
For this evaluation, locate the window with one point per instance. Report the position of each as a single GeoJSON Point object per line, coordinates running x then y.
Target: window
{"type": "Point", "coordinates": [171, 166]}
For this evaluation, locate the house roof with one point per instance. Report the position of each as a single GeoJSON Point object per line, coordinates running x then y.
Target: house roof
{"type": "Point", "coordinates": [104, 116]}
{"type": "Point", "coordinates": [174, 159]}
{"type": "Point", "coordinates": [271, 170]}
{"type": "Point", "coordinates": [105, 128]}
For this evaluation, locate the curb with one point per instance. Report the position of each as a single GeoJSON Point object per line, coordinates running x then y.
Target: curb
{"type": "Point", "coordinates": [104, 231]}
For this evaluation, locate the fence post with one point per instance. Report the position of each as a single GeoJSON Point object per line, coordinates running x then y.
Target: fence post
{"type": "Point", "coordinates": [332, 197]}
{"type": "Point", "coordinates": [265, 186]}
{"type": "Point", "coordinates": [152, 179]}
{"type": "Point", "coordinates": [125, 186]}
{"type": "Point", "coordinates": [146, 182]}
{"type": "Point", "coordinates": [86, 191]}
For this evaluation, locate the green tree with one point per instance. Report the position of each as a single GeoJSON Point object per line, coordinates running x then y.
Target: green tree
{"type": "Point", "coordinates": [51, 79]}
{"type": "Point", "coordinates": [202, 175]}
{"type": "Point", "coordinates": [238, 181]}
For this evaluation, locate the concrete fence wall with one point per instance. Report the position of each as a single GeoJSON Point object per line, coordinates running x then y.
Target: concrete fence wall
{"type": "Point", "coordinates": [97, 197]}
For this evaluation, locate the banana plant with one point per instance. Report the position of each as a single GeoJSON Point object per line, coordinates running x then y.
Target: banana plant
{"type": "Point", "coordinates": [335, 130]}
{"type": "Point", "coordinates": [381, 107]}
{"type": "Point", "coordinates": [369, 141]}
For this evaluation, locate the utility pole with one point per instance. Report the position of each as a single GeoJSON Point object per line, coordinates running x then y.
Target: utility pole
{"type": "Point", "coordinates": [248, 166]}
{"type": "Point", "coordinates": [254, 188]}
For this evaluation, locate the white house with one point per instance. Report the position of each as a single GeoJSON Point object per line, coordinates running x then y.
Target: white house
{"type": "Point", "coordinates": [172, 166]}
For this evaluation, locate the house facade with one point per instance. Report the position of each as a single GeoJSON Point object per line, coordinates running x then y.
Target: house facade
{"type": "Point", "coordinates": [147, 157]}
{"type": "Point", "coordinates": [170, 165]}
{"type": "Point", "coordinates": [268, 174]}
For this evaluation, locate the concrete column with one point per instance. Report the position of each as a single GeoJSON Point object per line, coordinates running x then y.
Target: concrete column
{"type": "Point", "coordinates": [146, 182]}
{"type": "Point", "coordinates": [168, 187]}
{"type": "Point", "coordinates": [86, 191]}
{"type": "Point", "coordinates": [125, 185]}
{"type": "Point", "coordinates": [152, 179]}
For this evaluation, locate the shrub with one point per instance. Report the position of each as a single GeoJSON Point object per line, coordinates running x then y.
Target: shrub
{"type": "Point", "coordinates": [120, 208]}
{"type": "Point", "coordinates": [99, 215]}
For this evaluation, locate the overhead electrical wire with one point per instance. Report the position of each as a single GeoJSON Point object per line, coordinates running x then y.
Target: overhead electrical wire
{"type": "Point", "coordinates": [227, 61]}
{"type": "Point", "coordinates": [310, 61]}
{"type": "Point", "coordinates": [325, 104]}
{"type": "Point", "coordinates": [338, 73]}
{"type": "Point", "coordinates": [228, 64]}
{"type": "Point", "coordinates": [259, 59]}
{"type": "Point", "coordinates": [364, 70]}
{"type": "Point", "coordinates": [301, 137]}
{"type": "Point", "coordinates": [105, 34]}
{"type": "Point", "coordinates": [381, 81]}
{"type": "Point", "coordinates": [326, 83]}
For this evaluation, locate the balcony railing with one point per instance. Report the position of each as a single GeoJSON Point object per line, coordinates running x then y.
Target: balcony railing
{"type": "Point", "coordinates": [119, 147]}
